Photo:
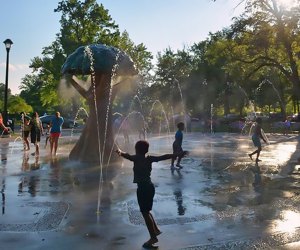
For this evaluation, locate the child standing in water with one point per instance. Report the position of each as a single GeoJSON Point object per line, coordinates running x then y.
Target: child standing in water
{"type": "Point", "coordinates": [256, 136]}
{"type": "Point", "coordinates": [177, 146]}
{"type": "Point", "coordinates": [36, 132]}
{"type": "Point", "coordinates": [142, 167]}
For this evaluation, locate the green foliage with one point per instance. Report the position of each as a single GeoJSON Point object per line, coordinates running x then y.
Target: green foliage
{"type": "Point", "coordinates": [225, 69]}
{"type": "Point", "coordinates": [82, 23]}
{"type": "Point", "coordinates": [267, 37]}
{"type": "Point", "coordinates": [17, 104]}
{"type": "Point", "coordinates": [30, 91]}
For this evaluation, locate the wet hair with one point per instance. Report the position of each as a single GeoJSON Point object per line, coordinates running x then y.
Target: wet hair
{"type": "Point", "coordinates": [180, 125]}
{"type": "Point", "coordinates": [258, 120]}
{"type": "Point", "coordinates": [141, 147]}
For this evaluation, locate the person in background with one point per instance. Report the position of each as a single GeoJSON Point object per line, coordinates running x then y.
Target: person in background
{"type": "Point", "coordinates": [36, 132]}
{"type": "Point", "coordinates": [47, 135]}
{"type": "Point", "coordinates": [26, 127]}
{"type": "Point", "coordinates": [287, 126]}
{"type": "Point", "coordinates": [177, 146]}
{"type": "Point", "coordinates": [2, 126]}
{"type": "Point", "coordinates": [257, 134]}
{"type": "Point", "coordinates": [55, 132]}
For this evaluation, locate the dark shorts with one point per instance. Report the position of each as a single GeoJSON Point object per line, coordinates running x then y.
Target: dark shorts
{"type": "Point", "coordinates": [35, 136]}
{"type": "Point", "coordinates": [26, 134]}
{"type": "Point", "coordinates": [256, 141]}
{"type": "Point", "coordinates": [145, 194]}
{"type": "Point", "coordinates": [177, 148]}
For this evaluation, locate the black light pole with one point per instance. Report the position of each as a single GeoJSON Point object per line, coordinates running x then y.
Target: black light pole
{"type": "Point", "coordinates": [8, 44]}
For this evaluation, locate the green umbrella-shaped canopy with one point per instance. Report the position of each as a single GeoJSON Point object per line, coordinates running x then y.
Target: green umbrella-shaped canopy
{"type": "Point", "coordinates": [105, 58]}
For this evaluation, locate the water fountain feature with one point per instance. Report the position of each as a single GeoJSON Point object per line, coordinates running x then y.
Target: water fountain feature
{"type": "Point", "coordinates": [211, 118]}
{"type": "Point", "coordinates": [120, 126]}
{"type": "Point", "coordinates": [162, 112]}
{"type": "Point", "coordinates": [183, 106]}
{"type": "Point", "coordinates": [136, 97]}
{"type": "Point", "coordinates": [102, 63]}
{"type": "Point", "coordinates": [76, 119]}
{"type": "Point", "coordinates": [267, 81]}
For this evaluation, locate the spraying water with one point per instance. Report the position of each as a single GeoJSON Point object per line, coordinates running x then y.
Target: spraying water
{"type": "Point", "coordinates": [183, 107]}
{"type": "Point", "coordinates": [121, 125]}
{"type": "Point", "coordinates": [19, 138]}
{"type": "Point", "coordinates": [93, 81]}
{"type": "Point", "coordinates": [76, 118]}
{"type": "Point", "coordinates": [162, 112]}
{"type": "Point", "coordinates": [139, 101]}
{"type": "Point", "coordinates": [211, 118]}
{"type": "Point", "coordinates": [101, 148]}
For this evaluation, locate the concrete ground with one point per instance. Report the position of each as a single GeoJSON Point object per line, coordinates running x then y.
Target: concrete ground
{"type": "Point", "coordinates": [219, 200]}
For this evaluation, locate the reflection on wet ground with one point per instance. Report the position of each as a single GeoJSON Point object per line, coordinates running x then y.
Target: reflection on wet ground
{"type": "Point", "coordinates": [219, 200]}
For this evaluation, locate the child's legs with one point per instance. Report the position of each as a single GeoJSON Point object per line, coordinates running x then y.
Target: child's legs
{"type": "Point", "coordinates": [51, 143]}
{"type": "Point", "coordinates": [179, 160]}
{"type": "Point", "coordinates": [173, 160]}
{"type": "Point", "coordinates": [27, 142]}
{"type": "Point", "coordinates": [175, 149]}
{"type": "Point", "coordinates": [145, 195]}
{"type": "Point", "coordinates": [179, 157]}
{"type": "Point", "coordinates": [258, 152]}
{"type": "Point", "coordinates": [55, 143]}
{"type": "Point", "coordinates": [46, 141]}
{"type": "Point", "coordinates": [157, 231]}
{"type": "Point", "coordinates": [150, 223]}
{"type": "Point", "coordinates": [256, 142]}
{"type": "Point", "coordinates": [254, 152]}
{"type": "Point", "coordinates": [37, 148]}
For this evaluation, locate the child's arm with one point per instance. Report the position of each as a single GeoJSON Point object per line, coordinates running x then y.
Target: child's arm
{"type": "Point", "coordinates": [168, 156]}
{"type": "Point", "coordinates": [124, 155]}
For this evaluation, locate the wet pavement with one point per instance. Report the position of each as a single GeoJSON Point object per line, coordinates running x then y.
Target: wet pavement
{"type": "Point", "coordinates": [219, 200]}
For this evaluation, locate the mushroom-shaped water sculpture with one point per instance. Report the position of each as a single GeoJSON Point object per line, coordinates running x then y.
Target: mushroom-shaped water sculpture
{"type": "Point", "coordinates": [101, 62]}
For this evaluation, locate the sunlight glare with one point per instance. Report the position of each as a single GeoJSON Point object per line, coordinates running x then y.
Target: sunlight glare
{"type": "Point", "coordinates": [290, 221]}
{"type": "Point", "coordinates": [287, 4]}
{"type": "Point", "coordinates": [283, 152]}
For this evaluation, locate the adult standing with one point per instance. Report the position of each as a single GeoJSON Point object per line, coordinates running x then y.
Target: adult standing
{"type": "Point", "coordinates": [55, 131]}
{"type": "Point", "coordinates": [36, 132]}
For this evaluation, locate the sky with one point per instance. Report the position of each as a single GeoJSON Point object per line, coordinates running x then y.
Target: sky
{"type": "Point", "coordinates": [159, 24]}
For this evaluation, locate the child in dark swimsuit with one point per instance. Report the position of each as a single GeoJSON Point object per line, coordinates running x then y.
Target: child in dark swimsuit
{"type": "Point", "coordinates": [142, 167]}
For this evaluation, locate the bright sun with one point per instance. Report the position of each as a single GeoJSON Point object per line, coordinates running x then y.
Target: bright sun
{"type": "Point", "coordinates": [287, 4]}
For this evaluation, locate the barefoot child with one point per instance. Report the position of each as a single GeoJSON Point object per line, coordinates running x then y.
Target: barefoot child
{"type": "Point", "coordinates": [256, 136]}
{"type": "Point", "coordinates": [48, 138]}
{"type": "Point", "coordinates": [142, 167]}
{"type": "Point", "coordinates": [177, 146]}
{"type": "Point", "coordinates": [26, 130]}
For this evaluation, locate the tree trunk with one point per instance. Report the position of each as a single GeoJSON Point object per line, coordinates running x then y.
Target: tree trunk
{"type": "Point", "coordinates": [98, 128]}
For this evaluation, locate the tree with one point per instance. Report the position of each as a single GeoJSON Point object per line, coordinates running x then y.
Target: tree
{"type": "Point", "coordinates": [172, 71]}
{"type": "Point", "coordinates": [82, 23]}
{"type": "Point", "coordinates": [31, 90]}
{"type": "Point", "coordinates": [17, 105]}
{"type": "Point", "coordinates": [267, 36]}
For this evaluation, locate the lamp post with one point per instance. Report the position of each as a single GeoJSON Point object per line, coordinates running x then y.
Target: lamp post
{"type": "Point", "coordinates": [8, 44]}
